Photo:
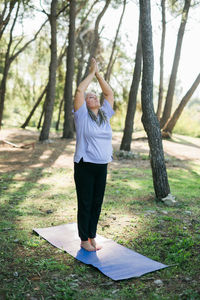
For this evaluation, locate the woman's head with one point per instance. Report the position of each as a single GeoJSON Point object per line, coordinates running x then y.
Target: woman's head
{"type": "Point", "coordinates": [92, 101]}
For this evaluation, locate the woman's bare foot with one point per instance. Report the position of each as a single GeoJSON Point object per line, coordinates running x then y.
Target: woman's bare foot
{"type": "Point", "coordinates": [87, 246]}
{"type": "Point", "coordinates": [94, 244]}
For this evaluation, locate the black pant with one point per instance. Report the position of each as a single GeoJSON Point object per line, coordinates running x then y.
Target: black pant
{"type": "Point", "coordinates": [90, 180]}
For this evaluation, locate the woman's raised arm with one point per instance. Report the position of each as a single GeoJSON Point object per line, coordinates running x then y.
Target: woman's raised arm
{"type": "Point", "coordinates": [79, 95]}
{"type": "Point", "coordinates": [106, 89]}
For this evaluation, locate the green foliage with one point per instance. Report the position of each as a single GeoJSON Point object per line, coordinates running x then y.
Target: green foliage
{"type": "Point", "coordinates": [176, 6]}
{"type": "Point", "coordinates": [188, 123]}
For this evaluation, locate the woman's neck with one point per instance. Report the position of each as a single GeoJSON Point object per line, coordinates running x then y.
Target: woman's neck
{"type": "Point", "coordinates": [94, 110]}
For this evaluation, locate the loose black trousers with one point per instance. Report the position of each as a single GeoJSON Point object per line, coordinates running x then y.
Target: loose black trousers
{"type": "Point", "coordinates": [90, 180]}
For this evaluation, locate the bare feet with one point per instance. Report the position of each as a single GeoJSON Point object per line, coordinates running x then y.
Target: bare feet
{"type": "Point", "coordinates": [94, 244]}
{"type": "Point", "coordinates": [87, 246]}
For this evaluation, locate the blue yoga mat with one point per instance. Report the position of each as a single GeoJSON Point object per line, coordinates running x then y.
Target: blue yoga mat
{"type": "Point", "coordinates": [113, 260]}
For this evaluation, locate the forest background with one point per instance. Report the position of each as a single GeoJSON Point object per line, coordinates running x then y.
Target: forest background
{"type": "Point", "coordinates": [28, 73]}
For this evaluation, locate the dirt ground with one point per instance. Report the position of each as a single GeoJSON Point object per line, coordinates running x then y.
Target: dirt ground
{"type": "Point", "coordinates": [59, 152]}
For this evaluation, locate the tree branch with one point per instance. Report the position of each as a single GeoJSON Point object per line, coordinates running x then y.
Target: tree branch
{"type": "Point", "coordinates": [29, 42]}
{"type": "Point", "coordinates": [4, 22]}
{"type": "Point", "coordinates": [85, 18]}
{"type": "Point", "coordinates": [43, 10]}
{"type": "Point", "coordinates": [62, 9]}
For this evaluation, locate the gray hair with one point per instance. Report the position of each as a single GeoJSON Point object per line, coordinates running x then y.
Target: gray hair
{"type": "Point", "coordinates": [102, 116]}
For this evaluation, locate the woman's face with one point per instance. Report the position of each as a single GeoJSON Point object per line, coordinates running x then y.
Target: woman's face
{"type": "Point", "coordinates": [92, 101]}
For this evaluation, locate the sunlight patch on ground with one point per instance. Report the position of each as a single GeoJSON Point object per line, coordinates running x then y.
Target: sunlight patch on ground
{"type": "Point", "coordinates": [117, 226]}
{"type": "Point", "coordinates": [57, 180]}
{"type": "Point", "coordinates": [63, 161]}
{"type": "Point", "coordinates": [135, 185]}
{"type": "Point", "coordinates": [46, 154]}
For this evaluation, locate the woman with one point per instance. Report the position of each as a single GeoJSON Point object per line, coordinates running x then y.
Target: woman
{"type": "Point", "coordinates": [92, 155]}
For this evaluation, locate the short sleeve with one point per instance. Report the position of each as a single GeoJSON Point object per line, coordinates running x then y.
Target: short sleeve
{"type": "Point", "coordinates": [81, 112]}
{"type": "Point", "coordinates": [107, 108]}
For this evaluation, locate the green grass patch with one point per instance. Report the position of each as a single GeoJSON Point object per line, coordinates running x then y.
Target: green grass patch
{"type": "Point", "coordinates": [30, 267]}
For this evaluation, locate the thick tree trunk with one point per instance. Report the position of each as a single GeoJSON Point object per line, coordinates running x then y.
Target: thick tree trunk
{"type": "Point", "coordinates": [50, 95]}
{"type": "Point", "coordinates": [172, 82]}
{"type": "Point", "coordinates": [168, 128]}
{"type": "Point", "coordinates": [128, 129]}
{"type": "Point", "coordinates": [95, 42]}
{"type": "Point", "coordinates": [34, 107]}
{"type": "Point", "coordinates": [68, 128]}
{"type": "Point", "coordinates": [149, 119]}
{"type": "Point", "coordinates": [162, 48]}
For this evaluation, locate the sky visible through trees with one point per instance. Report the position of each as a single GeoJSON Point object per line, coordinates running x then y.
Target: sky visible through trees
{"type": "Point", "coordinates": [190, 63]}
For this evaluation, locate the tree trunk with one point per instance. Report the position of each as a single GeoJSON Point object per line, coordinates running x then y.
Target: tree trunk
{"type": "Point", "coordinates": [3, 89]}
{"type": "Point", "coordinates": [172, 82]}
{"type": "Point", "coordinates": [62, 53]}
{"type": "Point", "coordinates": [162, 48]}
{"type": "Point", "coordinates": [4, 19]}
{"type": "Point", "coordinates": [80, 65]}
{"type": "Point", "coordinates": [8, 61]}
{"type": "Point", "coordinates": [68, 128]}
{"type": "Point", "coordinates": [50, 95]}
{"type": "Point", "coordinates": [95, 42]}
{"type": "Point", "coordinates": [168, 128]}
{"type": "Point", "coordinates": [111, 59]}
{"type": "Point", "coordinates": [149, 119]}
{"type": "Point", "coordinates": [81, 45]}
{"type": "Point", "coordinates": [59, 114]}
{"type": "Point", "coordinates": [128, 129]}
{"type": "Point", "coordinates": [7, 64]}
{"type": "Point", "coordinates": [34, 107]}
{"type": "Point", "coordinates": [108, 71]}
{"type": "Point", "coordinates": [41, 116]}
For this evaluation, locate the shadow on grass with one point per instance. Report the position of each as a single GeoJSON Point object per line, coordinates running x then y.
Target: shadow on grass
{"type": "Point", "coordinates": [33, 268]}
{"type": "Point", "coordinates": [23, 255]}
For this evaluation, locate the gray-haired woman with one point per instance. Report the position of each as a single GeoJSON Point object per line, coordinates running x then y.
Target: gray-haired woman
{"type": "Point", "coordinates": [92, 155]}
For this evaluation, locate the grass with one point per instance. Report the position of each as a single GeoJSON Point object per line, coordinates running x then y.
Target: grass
{"type": "Point", "coordinates": [33, 269]}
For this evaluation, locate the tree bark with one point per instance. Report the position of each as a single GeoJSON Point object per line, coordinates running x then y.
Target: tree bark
{"type": "Point", "coordinates": [149, 119]}
{"type": "Point", "coordinates": [162, 48]}
{"type": "Point", "coordinates": [68, 128]}
{"type": "Point", "coordinates": [172, 82]}
{"type": "Point", "coordinates": [50, 95]}
{"type": "Point", "coordinates": [128, 129]}
{"type": "Point", "coordinates": [168, 128]}
{"type": "Point", "coordinates": [95, 42]}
